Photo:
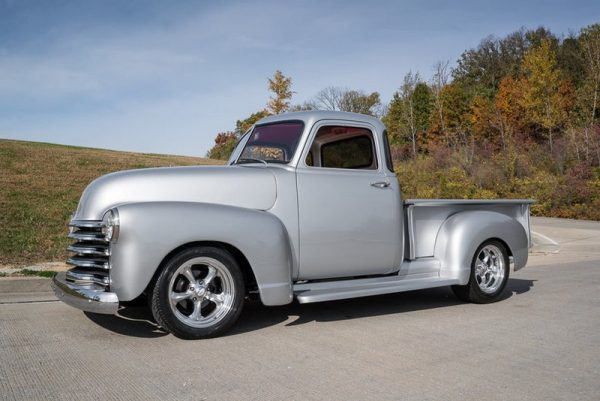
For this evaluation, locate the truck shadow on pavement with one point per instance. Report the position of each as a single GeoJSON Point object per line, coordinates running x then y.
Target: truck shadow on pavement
{"type": "Point", "coordinates": [136, 320]}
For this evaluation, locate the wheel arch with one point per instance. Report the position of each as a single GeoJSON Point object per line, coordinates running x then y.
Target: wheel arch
{"type": "Point", "coordinates": [462, 233]}
{"type": "Point", "coordinates": [504, 243]}
{"type": "Point", "coordinates": [249, 277]}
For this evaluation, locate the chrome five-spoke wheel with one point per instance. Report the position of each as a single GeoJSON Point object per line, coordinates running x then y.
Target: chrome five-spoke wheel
{"type": "Point", "coordinates": [199, 293]}
{"type": "Point", "coordinates": [489, 269]}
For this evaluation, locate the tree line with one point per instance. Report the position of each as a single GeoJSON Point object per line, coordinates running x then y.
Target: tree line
{"type": "Point", "coordinates": [518, 116]}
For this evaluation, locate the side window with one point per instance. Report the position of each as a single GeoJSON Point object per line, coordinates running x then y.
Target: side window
{"type": "Point", "coordinates": [355, 153]}
{"type": "Point", "coordinates": [343, 147]}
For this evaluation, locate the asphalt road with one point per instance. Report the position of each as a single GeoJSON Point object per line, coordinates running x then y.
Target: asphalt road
{"type": "Point", "coordinates": [540, 343]}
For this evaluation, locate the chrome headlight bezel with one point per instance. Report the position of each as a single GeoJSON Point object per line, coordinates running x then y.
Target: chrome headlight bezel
{"type": "Point", "coordinates": [110, 225]}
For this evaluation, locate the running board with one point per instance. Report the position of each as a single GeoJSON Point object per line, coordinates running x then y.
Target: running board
{"type": "Point", "coordinates": [343, 289]}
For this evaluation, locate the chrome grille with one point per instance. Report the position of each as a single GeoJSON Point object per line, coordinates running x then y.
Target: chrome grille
{"type": "Point", "coordinates": [91, 255]}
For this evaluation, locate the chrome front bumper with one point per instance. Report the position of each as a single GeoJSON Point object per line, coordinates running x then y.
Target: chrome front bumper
{"type": "Point", "coordinates": [88, 298]}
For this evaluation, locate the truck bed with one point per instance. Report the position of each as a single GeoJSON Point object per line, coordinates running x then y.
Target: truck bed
{"type": "Point", "coordinates": [424, 218]}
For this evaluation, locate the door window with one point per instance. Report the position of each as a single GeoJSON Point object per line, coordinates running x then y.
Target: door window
{"type": "Point", "coordinates": [343, 147]}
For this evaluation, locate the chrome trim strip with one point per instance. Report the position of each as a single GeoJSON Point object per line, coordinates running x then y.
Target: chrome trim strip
{"type": "Point", "coordinates": [441, 202]}
{"type": "Point", "coordinates": [87, 236]}
{"type": "Point", "coordinates": [89, 263]}
{"type": "Point", "coordinates": [84, 249]}
{"type": "Point", "coordinates": [84, 298]}
{"type": "Point", "coordinates": [86, 279]}
{"type": "Point", "coordinates": [86, 223]}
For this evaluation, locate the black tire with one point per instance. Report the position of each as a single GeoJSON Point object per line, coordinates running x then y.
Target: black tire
{"type": "Point", "coordinates": [173, 317]}
{"type": "Point", "coordinates": [472, 292]}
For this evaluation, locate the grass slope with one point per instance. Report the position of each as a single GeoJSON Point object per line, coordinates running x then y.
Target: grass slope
{"type": "Point", "coordinates": [40, 185]}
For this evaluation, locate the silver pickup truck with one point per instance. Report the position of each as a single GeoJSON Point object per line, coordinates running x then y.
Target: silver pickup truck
{"type": "Point", "coordinates": [307, 208]}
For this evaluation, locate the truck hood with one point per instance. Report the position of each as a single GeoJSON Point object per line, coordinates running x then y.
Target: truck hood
{"type": "Point", "coordinates": [242, 186]}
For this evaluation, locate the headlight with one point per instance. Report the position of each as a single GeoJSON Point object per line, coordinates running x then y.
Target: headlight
{"type": "Point", "coordinates": [110, 225]}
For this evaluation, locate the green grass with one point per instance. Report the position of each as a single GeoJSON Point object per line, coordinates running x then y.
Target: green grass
{"type": "Point", "coordinates": [40, 186]}
{"type": "Point", "coordinates": [37, 273]}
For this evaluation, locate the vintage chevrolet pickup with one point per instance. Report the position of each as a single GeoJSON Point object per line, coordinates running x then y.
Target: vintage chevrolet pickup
{"type": "Point", "coordinates": [308, 207]}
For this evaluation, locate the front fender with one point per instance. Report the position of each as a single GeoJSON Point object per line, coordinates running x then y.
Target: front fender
{"type": "Point", "coordinates": [151, 230]}
{"type": "Point", "coordinates": [462, 233]}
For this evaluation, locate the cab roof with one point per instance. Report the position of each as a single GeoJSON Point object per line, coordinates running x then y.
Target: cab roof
{"type": "Point", "coordinates": [311, 117]}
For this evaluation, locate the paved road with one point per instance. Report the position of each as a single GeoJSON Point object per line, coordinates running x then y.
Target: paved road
{"type": "Point", "coordinates": [540, 343]}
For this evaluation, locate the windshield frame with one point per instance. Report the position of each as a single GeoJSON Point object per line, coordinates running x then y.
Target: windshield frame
{"type": "Point", "coordinates": [239, 159]}
{"type": "Point", "coordinates": [239, 146]}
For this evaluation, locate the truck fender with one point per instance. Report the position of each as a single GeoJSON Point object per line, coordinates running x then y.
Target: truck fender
{"type": "Point", "coordinates": [149, 231]}
{"type": "Point", "coordinates": [462, 233]}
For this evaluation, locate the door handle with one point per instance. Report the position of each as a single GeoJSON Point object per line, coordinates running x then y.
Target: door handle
{"type": "Point", "coordinates": [380, 184]}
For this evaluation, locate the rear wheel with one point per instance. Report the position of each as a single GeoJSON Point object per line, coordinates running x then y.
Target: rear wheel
{"type": "Point", "coordinates": [199, 293]}
{"type": "Point", "coordinates": [489, 274]}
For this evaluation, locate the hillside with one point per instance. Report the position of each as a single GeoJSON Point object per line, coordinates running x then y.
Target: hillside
{"type": "Point", "coordinates": [40, 185]}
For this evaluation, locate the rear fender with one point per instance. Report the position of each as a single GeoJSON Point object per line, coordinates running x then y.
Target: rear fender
{"type": "Point", "coordinates": [462, 233]}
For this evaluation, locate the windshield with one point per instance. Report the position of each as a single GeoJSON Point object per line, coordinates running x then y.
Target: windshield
{"type": "Point", "coordinates": [272, 143]}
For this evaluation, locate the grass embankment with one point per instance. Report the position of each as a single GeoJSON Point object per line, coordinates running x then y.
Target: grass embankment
{"type": "Point", "coordinates": [40, 186]}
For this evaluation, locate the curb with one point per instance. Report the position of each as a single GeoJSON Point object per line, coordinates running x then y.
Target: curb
{"type": "Point", "coordinates": [543, 245]}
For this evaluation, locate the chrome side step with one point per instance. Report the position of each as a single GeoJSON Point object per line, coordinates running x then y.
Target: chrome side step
{"type": "Point", "coordinates": [343, 289]}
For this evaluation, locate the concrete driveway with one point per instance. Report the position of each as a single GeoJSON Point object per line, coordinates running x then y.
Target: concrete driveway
{"type": "Point", "coordinates": [540, 343]}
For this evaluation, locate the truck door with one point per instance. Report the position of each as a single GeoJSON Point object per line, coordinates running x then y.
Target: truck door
{"type": "Point", "coordinates": [350, 214]}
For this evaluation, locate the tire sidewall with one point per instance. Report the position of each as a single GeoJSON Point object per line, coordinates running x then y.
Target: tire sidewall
{"type": "Point", "coordinates": [161, 307]}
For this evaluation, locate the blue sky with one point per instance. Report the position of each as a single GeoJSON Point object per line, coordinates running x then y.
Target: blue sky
{"type": "Point", "coordinates": [165, 77]}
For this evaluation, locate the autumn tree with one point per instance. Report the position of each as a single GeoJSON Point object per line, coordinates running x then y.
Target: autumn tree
{"type": "Point", "coordinates": [224, 145]}
{"type": "Point", "coordinates": [225, 142]}
{"type": "Point", "coordinates": [393, 119]}
{"type": "Point", "coordinates": [281, 86]}
{"type": "Point", "coordinates": [590, 47]}
{"type": "Point", "coordinates": [509, 108]}
{"type": "Point", "coordinates": [484, 119]}
{"type": "Point", "coordinates": [456, 104]}
{"type": "Point", "coordinates": [589, 92]}
{"type": "Point", "coordinates": [546, 94]}
{"type": "Point", "coordinates": [450, 101]}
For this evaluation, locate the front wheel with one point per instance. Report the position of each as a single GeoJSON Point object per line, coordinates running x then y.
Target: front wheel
{"type": "Point", "coordinates": [199, 293]}
{"type": "Point", "coordinates": [489, 274]}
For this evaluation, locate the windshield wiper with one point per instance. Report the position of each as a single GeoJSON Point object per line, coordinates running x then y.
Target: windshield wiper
{"type": "Point", "coordinates": [250, 160]}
